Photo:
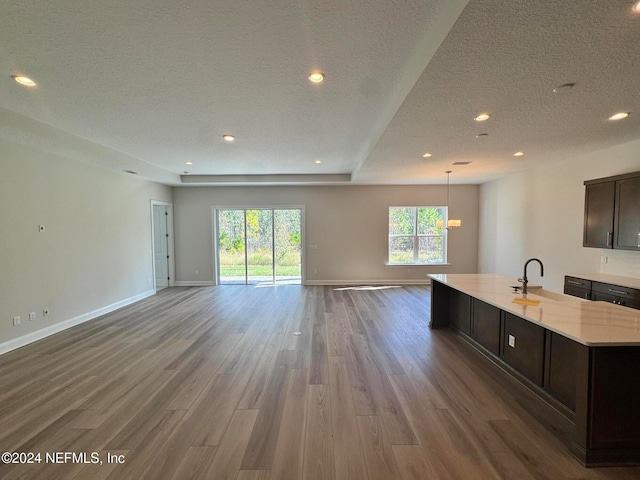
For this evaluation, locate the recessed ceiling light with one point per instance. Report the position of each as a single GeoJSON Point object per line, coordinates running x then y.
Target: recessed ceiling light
{"type": "Point", "coordinates": [518, 154]}
{"type": "Point", "coordinates": [427, 155]}
{"type": "Point", "coordinates": [228, 138]}
{"type": "Point", "coordinates": [619, 116]}
{"type": "Point", "coordinates": [316, 77]}
{"type": "Point", "coordinates": [22, 80]}
{"type": "Point", "coordinates": [318, 161]}
{"type": "Point", "coordinates": [482, 117]}
{"type": "Point", "coordinates": [565, 87]}
{"type": "Point", "coordinates": [188, 163]}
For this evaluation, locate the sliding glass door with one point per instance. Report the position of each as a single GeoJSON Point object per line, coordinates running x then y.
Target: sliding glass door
{"type": "Point", "coordinates": [260, 246]}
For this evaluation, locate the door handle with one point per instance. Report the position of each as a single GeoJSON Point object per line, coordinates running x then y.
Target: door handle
{"type": "Point", "coordinates": [609, 235]}
{"type": "Point", "coordinates": [619, 292]}
{"type": "Point", "coordinates": [573, 282]}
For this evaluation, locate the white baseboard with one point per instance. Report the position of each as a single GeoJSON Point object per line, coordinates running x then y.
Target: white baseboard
{"type": "Point", "coordinates": [188, 283]}
{"type": "Point", "coordinates": [425, 281]}
{"type": "Point", "coordinates": [72, 322]}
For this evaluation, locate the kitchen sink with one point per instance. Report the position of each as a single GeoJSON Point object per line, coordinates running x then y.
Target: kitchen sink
{"type": "Point", "coordinates": [559, 297]}
{"type": "Point", "coordinates": [530, 287]}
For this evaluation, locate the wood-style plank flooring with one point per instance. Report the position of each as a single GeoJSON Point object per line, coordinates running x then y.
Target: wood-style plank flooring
{"type": "Point", "coordinates": [211, 383]}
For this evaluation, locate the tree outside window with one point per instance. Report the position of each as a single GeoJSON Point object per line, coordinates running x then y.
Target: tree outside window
{"type": "Point", "coordinates": [417, 235]}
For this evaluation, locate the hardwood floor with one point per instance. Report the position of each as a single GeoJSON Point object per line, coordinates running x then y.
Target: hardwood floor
{"type": "Point", "coordinates": [211, 383]}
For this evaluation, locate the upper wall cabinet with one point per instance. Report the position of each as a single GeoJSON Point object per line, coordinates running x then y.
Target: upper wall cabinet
{"type": "Point", "coordinates": [598, 214]}
{"type": "Point", "coordinates": [612, 212]}
{"type": "Point", "coordinates": [627, 219]}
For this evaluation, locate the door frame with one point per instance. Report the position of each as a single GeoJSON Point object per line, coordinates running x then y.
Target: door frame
{"type": "Point", "coordinates": [214, 233]}
{"type": "Point", "coordinates": [170, 245]}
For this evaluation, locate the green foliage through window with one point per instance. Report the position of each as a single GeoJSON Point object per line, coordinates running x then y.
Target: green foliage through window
{"type": "Point", "coordinates": [417, 235]}
{"type": "Point", "coordinates": [263, 232]}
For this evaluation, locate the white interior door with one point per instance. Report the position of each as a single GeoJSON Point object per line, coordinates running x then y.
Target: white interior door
{"type": "Point", "coordinates": [161, 246]}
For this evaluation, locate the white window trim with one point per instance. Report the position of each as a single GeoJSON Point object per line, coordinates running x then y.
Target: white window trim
{"type": "Point", "coordinates": [416, 238]}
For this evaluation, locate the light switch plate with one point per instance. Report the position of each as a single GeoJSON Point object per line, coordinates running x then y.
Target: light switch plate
{"type": "Point", "coordinates": [512, 341]}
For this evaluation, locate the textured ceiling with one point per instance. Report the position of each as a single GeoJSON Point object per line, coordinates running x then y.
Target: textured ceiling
{"type": "Point", "coordinates": [159, 82]}
{"type": "Point", "coordinates": [506, 57]}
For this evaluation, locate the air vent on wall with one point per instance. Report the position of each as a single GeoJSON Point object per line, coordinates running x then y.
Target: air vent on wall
{"type": "Point", "coordinates": [131, 172]}
{"type": "Point", "coordinates": [461, 163]}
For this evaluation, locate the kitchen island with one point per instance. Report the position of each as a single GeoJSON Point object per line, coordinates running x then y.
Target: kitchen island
{"type": "Point", "coordinates": [581, 358]}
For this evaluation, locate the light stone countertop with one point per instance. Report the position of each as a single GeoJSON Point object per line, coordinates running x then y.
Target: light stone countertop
{"type": "Point", "coordinates": [586, 322]}
{"type": "Point", "coordinates": [628, 282]}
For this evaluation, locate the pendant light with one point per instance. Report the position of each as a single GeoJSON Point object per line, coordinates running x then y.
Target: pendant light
{"type": "Point", "coordinates": [451, 223]}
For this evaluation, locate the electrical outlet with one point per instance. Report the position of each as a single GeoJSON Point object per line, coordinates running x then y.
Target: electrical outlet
{"type": "Point", "coordinates": [32, 316]}
{"type": "Point", "coordinates": [45, 312]}
{"type": "Point", "coordinates": [16, 321]}
{"type": "Point", "coordinates": [512, 341]}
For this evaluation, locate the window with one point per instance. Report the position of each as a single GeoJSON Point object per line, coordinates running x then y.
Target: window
{"type": "Point", "coordinates": [417, 235]}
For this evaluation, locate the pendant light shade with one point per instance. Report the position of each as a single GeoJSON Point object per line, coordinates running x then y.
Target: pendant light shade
{"type": "Point", "coordinates": [451, 223]}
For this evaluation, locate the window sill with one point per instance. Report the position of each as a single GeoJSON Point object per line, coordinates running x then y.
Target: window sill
{"type": "Point", "coordinates": [417, 264]}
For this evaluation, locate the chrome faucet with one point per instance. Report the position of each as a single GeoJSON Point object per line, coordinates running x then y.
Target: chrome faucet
{"type": "Point", "coordinates": [524, 280]}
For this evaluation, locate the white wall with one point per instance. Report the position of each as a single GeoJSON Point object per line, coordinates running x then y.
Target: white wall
{"type": "Point", "coordinates": [95, 251]}
{"type": "Point", "coordinates": [349, 224]}
{"type": "Point", "coordinates": [539, 213]}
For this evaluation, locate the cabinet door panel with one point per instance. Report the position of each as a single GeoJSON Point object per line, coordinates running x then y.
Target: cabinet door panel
{"type": "Point", "coordinates": [630, 303]}
{"type": "Point", "coordinates": [625, 302]}
{"type": "Point", "coordinates": [627, 218]}
{"type": "Point", "coordinates": [527, 356]}
{"type": "Point", "coordinates": [486, 326]}
{"type": "Point", "coordinates": [460, 311]}
{"type": "Point", "coordinates": [603, 297]}
{"type": "Point", "coordinates": [598, 214]}
{"type": "Point", "coordinates": [561, 377]}
{"type": "Point", "coordinates": [615, 416]}
{"type": "Point", "coordinates": [577, 292]}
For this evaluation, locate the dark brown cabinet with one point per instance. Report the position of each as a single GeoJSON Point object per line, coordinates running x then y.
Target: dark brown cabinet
{"type": "Point", "coordinates": [614, 390]}
{"type": "Point", "coordinates": [460, 311]}
{"type": "Point", "coordinates": [577, 292]}
{"type": "Point", "coordinates": [523, 347]}
{"type": "Point", "coordinates": [628, 297]}
{"type": "Point", "coordinates": [598, 215]}
{"type": "Point", "coordinates": [627, 215]}
{"type": "Point", "coordinates": [561, 372]}
{"type": "Point", "coordinates": [602, 292]}
{"type": "Point", "coordinates": [485, 326]}
{"type": "Point", "coordinates": [612, 212]}
{"type": "Point", "coordinates": [577, 287]}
